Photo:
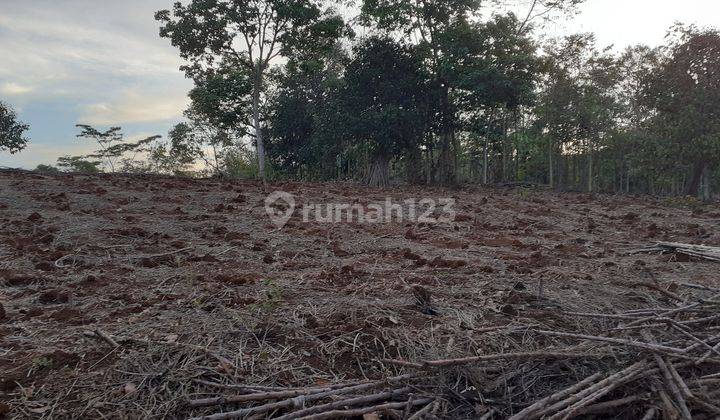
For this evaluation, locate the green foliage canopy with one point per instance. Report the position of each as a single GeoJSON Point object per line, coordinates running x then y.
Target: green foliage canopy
{"type": "Point", "coordinates": [12, 131]}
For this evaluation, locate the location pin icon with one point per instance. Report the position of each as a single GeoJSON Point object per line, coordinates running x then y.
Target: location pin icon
{"type": "Point", "coordinates": [280, 214]}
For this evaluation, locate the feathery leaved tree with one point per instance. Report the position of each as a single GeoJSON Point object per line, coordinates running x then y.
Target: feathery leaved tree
{"type": "Point", "coordinates": [113, 148]}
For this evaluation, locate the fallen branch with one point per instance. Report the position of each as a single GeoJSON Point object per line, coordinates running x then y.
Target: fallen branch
{"type": "Point", "coordinates": [305, 399]}
{"type": "Point", "coordinates": [425, 410]}
{"type": "Point", "coordinates": [672, 386]}
{"type": "Point", "coordinates": [165, 254]}
{"type": "Point", "coordinates": [242, 388]}
{"type": "Point", "coordinates": [699, 287]}
{"type": "Point", "coordinates": [671, 382]}
{"type": "Point", "coordinates": [594, 392]}
{"type": "Point", "coordinates": [709, 253]}
{"type": "Point", "coordinates": [657, 288]}
{"type": "Point", "coordinates": [491, 357]}
{"type": "Point", "coordinates": [650, 414]}
{"type": "Point", "coordinates": [107, 338]}
{"type": "Point", "coordinates": [361, 411]}
{"type": "Point", "coordinates": [319, 409]}
{"type": "Point", "coordinates": [638, 344]}
{"type": "Point", "coordinates": [542, 404]}
{"type": "Point", "coordinates": [114, 343]}
{"type": "Point", "coordinates": [604, 407]}
{"type": "Point", "coordinates": [260, 396]}
{"type": "Point", "coordinates": [673, 311]}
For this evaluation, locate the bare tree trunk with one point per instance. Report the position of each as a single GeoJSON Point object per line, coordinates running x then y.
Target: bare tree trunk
{"type": "Point", "coordinates": [457, 168]}
{"type": "Point", "coordinates": [413, 166]}
{"type": "Point", "coordinates": [590, 172]}
{"type": "Point", "coordinates": [485, 161]}
{"type": "Point", "coordinates": [379, 172]}
{"type": "Point", "coordinates": [215, 159]}
{"type": "Point", "coordinates": [446, 160]}
{"type": "Point", "coordinates": [447, 156]}
{"type": "Point", "coordinates": [516, 151]}
{"type": "Point", "coordinates": [428, 165]}
{"type": "Point", "coordinates": [627, 177]}
{"type": "Point", "coordinates": [551, 166]}
{"type": "Point", "coordinates": [693, 188]}
{"type": "Point", "coordinates": [706, 194]}
{"type": "Point", "coordinates": [505, 148]}
{"type": "Point", "coordinates": [259, 142]}
{"type": "Point", "coordinates": [627, 181]}
{"type": "Point", "coordinates": [517, 122]}
{"type": "Point", "coordinates": [577, 174]}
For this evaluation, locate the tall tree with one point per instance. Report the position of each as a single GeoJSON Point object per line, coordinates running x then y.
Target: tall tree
{"type": "Point", "coordinates": [247, 36]}
{"type": "Point", "coordinates": [306, 129]}
{"type": "Point", "coordinates": [578, 108]}
{"type": "Point", "coordinates": [429, 22]}
{"type": "Point", "coordinates": [632, 147]}
{"type": "Point", "coordinates": [387, 103]}
{"type": "Point", "coordinates": [685, 94]}
{"type": "Point", "coordinates": [437, 26]}
{"type": "Point", "coordinates": [495, 76]}
{"type": "Point", "coordinates": [12, 131]}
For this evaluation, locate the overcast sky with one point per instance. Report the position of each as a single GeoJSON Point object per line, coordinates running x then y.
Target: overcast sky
{"type": "Point", "coordinates": [101, 62]}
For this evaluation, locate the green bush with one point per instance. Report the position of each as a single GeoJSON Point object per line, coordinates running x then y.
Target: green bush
{"type": "Point", "coordinates": [240, 163]}
{"type": "Point", "coordinates": [47, 169]}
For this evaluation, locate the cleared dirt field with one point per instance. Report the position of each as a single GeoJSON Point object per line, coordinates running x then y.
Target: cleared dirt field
{"type": "Point", "coordinates": [194, 284]}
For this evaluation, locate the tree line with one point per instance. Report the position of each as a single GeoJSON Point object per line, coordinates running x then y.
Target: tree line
{"type": "Point", "coordinates": [437, 92]}
{"type": "Point", "coordinates": [444, 92]}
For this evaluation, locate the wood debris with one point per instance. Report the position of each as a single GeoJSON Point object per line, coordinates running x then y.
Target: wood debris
{"type": "Point", "coordinates": [710, 253]}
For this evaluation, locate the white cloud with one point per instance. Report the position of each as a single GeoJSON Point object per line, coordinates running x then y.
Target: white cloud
{"type": "Point", "coordinates": [14, 89]}
{"type": "Point", "coordinates": [135, 107]}
{"type": "Point", "coordinates": [83, 49]}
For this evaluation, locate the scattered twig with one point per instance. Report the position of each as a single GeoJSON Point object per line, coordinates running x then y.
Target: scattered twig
{"type": "Point", "coordinates": [305, 399]}
{"type": "Point", "coordinates": [491, 357]}
{"type": "Point", "coordinates": [542, 404]}
{"type": "Point", "coordinates": [423, 411]}
{"type": "Point", "coordinates": [165, 254]}
{"type": "Point", "coordinates": [338, 414]}
{"type": "Point", "coordinates": [638, 344]}
{"type": "Point", "coordinates": [608, 406]}
{"type": "Point", "coordinates": [349, 402]}
{"type": "Point", "coordinates": [107, 338]}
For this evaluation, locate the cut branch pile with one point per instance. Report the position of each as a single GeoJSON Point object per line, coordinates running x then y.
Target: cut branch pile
{"type": "Point", "coordinates": [643, 363]}
{"type": "Point", "coordinates": [346, 400]}
{"type": "Point", "coordinates": [710, 253]}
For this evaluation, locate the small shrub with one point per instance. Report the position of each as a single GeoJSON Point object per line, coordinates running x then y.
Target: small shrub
{"type": "Point", "coordinates": [47, 169]}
